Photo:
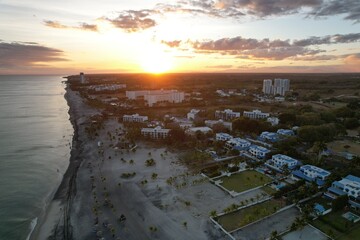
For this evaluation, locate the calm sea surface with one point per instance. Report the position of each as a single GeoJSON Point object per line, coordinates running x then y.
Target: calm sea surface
{"type": "Point", "coordinates": [35, 137]}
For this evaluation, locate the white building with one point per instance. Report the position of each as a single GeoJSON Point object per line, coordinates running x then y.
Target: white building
{"type": "Point", "coordinates": [135, 118]}
{"type": "Point", "coordinates": [223, 137]}
{"type": "Point", "coordinates": [192, 114]}
{"type": "Point", "coordinates": [286, 132]}
{"type": "Point", "coordinates": [256, 114]}
{"type": "Point", "coordinates": [258, 151]}
{"type": "Point", "coordinates": [350, 185]}
{"type": "Point", "coordinates": [227, 114]}
{"type": "Point", "coordinates": [273, 121]}
{"type": "Point", "coordinates": [109, 87]}
{"type": "Point", "coordinates": [279, 160]}
{"type": "Point", "coordinates": [154, 96]}
{"type": "Point", "coordinates": [312, 173]}
{"type": "Point", "coordinates": [82, 78]}
{"type": "Point", "coordinates": [237, 143]}
{"type": "Point", "coordinates": [155, 133]}
{"type": "Point", "coordinates": [211, 123]}
{"type": "Point", "coordinates": [267, 86]}
{"type": "Point", "coordinates": [269, 136]}
{"type": "Point", "coordinates": [193, 130]}
{"type": "Point", "coordinates": [281, 86]}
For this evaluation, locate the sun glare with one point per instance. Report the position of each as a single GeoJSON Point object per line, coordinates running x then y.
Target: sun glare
{"type": "Point", "coordinates": [156, 61]}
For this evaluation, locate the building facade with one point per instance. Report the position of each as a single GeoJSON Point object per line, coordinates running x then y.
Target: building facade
{"type": "Point", "coordinates": [227, 114]}
{"type": "Point", "coordinates": [258, 151]}
{"type": "Point", "coordinates": [135, 118]}
{"type": "Point", "coordinates": [256, 114]}
{"type": "Point", "coordinates": [286, 132]}
{"type": "Point", "coordinates": [278, 161]}
{"type": "Point", "coordinates": [212, 123]}
{"type": "Point", "coordinates": [267, 86]}
{"type": "Point", "coordinates": [154, 96]}
{"type": "Point", "coordinates": [269, 136]}
{"type": "Point", "coordinates": [273, 121]}
{"type": "Point", "coordinates": [192, 114]}
{"type": "Point", "coordinates": [155, 133]}
{"type": "Point", "coordinates": [350, 185]}
{"type": "Point", "coordinates": [281, 86]}
{"type": "Point", "coordinates": [223, 137]}
{"type": "Point", "coordinates": [312, 173]}
{"type": "Point", "coordinates": [237, 143]}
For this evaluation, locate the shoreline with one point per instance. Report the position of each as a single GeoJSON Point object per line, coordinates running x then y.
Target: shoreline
{"type": "Point", "coordinates": [54, 219]}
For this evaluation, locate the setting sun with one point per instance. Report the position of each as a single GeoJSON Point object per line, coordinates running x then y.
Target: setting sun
{"type": "Point", "coordinates": [156, 61]}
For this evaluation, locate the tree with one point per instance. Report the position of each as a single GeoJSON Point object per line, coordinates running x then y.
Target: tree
{"type": "Point", "coordinates": [340, 202]}
{"type": "Point", "coordinates": [274, 235]}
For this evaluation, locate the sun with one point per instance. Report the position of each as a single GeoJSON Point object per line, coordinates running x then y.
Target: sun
{"type": "Point", "coordinates": [156, 61]}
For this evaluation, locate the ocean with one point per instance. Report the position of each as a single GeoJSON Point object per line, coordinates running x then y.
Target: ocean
{"type": "Point", "coordinates": [35, 141]}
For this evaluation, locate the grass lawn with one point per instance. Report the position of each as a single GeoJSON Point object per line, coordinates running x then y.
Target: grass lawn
{"type": "Point", "coordinates": [353, 234]}
{"type": "Point", "coordinates": [248, 215]}
{"type": "Point", "coordinates": [244, 180]}
{"type": "Point", "coordinates": [334, 224]}
{"type": "Point", "coordinates": [268, 190]}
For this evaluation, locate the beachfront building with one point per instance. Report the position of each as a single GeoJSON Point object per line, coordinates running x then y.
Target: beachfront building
{"type": "Point", "coordinates": [273, 121]}
{"type": "Point", "coordinates": [223, 137]}
{"type": "Point", "coordinates": [269, 136]}
{"type": "Point", "coordinates": [278, 161]}
{"type": "Point", "coordinates": [155, 133]}
{"type": "Point", "coordinates": [258, 151]}
{"type": "Point", "coordinates": [212, 123]}
{"type": "Point", "coordinates": [285, 132]}
{"type": "Point", "coordinates": [267, 86]}
{"type": "Point", "coordinates": [194, 130]}
{"type": "Point", "coordinates": [192, 114]}
{"type": "Point", "coordinates": [227, 114]}
{"type": "Point", "coordinates": [155, 96]}
{"type": "Point", "coordinates": [311, 173]}
{"type": "Point", "coordinates": [237, 143]}
{"type": "Point", "coordinates": [135, 118]}
{"type": "Point", "coordinates": [350, 185]}
{"type": "Point", "coordinates": [256, 114]}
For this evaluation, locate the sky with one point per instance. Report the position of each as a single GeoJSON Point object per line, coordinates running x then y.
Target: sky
{"type": "Point", "coordinates": [112, 36]}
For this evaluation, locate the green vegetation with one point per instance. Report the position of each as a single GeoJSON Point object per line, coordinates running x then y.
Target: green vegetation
{"type": "Point", "coordinates": [336, 226]}
{"type": "Point", "coordinates": [244, 180]}
{"type": "Point", "coordinates": [248, 215]}
{"type": "Point", "coordinates": [128, 175]}
{"type": "Point", "coordinates": [150, 162]}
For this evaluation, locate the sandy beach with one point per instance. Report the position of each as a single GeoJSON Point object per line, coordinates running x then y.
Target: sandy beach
{"type": "Point", "coordinates": [95, 194]}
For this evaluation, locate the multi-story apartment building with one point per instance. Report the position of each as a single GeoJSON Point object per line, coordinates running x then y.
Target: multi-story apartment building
{"type": "Point", "coordinates": [311, 173]}
{"type": "Point", "coordinates": [155, 133]}
{"type": "Point", "coordinates": [279, 160]}
{"type": "Point", "coordinates": [350, 185]}
{"type": "Point", "coordinates": [237, 143]}
{"type": "Point", "coordinates": [267, 86]}
{"type": "Point", "coordinates": [256, 114]}
{"type": "Point", "coordinates": [258, 151]}
{"type": "Point", "coordinates": [223, 137]}
{"type": "Point", "coordinates": [227, 114]}
{"type": "Point", "coordinates": [135, 118]}
{"type": "Point", "coordinates": [154, 96]}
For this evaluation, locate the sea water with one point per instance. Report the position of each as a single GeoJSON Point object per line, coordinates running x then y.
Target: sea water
{"type": "Point", "coordinates": [35, 141]}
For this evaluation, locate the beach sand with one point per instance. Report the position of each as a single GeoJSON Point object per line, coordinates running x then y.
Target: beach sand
{"type": "Point", "coordinates": [93, 195]}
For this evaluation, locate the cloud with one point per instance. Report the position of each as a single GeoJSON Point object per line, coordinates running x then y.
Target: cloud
{"type": "Point", "coordinates": [18, 54]}
{"type": "Point", "coordinates": [220, 66]}
{"type": "Point", "coordinates": [172, 44]}
{"type": "Point", "coordinates": [266, 8]}
{"type": "Point", "coordinates": [133, 21]}
{"type": "Point", "coordinates": [251, 48]}
{"type": "Point", "coordinates": [81, 26]}
{"type": "Point", "coordinates": [351, 9]}
{"type": "Point", "coordinates": [353, 60]}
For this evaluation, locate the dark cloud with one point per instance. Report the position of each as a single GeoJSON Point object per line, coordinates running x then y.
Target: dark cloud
{"type": "Point", "coordinates": [266, 8]}
{"type": "Point", "coordinates": [351, 9]}
{"type": "Point", "coordinates": [16, 54]}
{"type": "Point", "coordinates": [81, 26]}
{"type": "Point", "coordinates": [133, 21]}
{"type": "Point", "coordinates": [330, 39]}
{"type": "Point", "coordinates": [173, 44]}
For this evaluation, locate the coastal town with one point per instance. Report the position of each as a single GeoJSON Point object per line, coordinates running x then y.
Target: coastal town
{"type": "Point", "coordinates": [211, 159]}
